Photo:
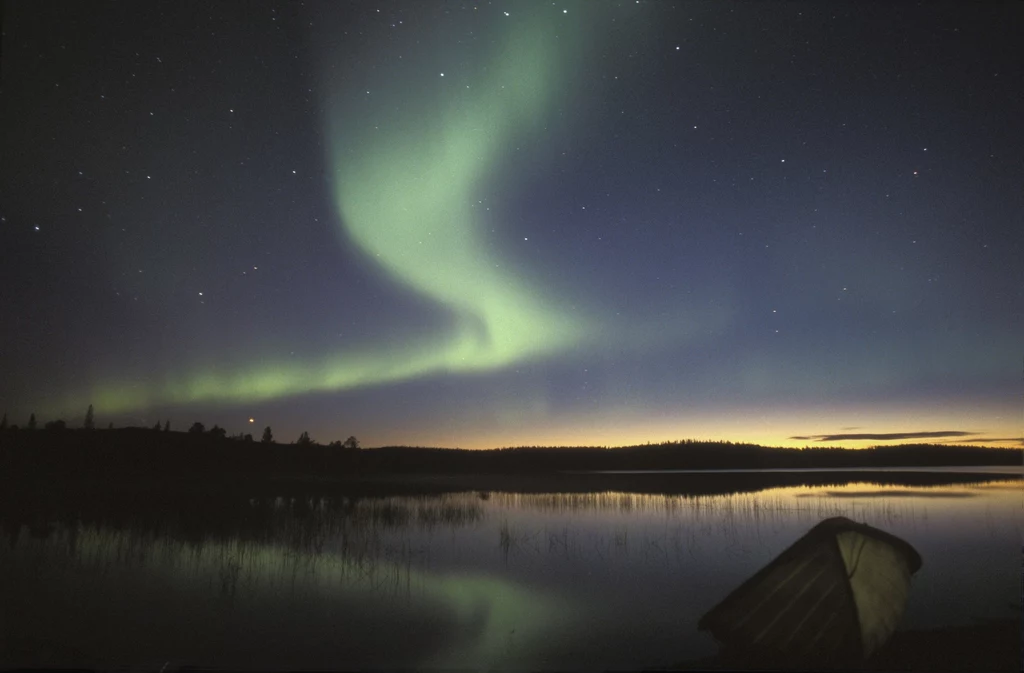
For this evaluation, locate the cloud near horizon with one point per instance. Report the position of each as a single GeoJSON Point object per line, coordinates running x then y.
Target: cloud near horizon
{"type": "Point", "coordinates": [989, 439]}
{"type": "Point", "coordinates": [888, 435]}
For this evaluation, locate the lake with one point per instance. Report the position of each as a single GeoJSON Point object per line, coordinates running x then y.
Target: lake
{"type": "Point", "coordinates": [477, 579]}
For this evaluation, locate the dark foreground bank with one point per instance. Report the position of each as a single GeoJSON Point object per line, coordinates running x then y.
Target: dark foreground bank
{"type": "Point", "coordinates": [992, 647]}
{"type": "Point", "coordinates": [989, 646]}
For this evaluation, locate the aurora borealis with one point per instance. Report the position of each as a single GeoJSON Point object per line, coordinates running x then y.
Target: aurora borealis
{"type": "Point", "coordinates": [451, 224]}
{"type": "Point", "coordinates": [406, 192]}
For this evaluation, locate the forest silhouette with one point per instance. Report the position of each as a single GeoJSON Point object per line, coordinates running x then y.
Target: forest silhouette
{"type": "Point", "coordinates": [127, 452]}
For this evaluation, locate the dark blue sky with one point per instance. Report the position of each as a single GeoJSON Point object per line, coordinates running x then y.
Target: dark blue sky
{"type": "Point", "coordinates": [603, 223]}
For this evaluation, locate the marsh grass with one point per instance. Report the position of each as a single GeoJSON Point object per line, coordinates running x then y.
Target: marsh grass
{"type": "Point", "coordinates": [365, 542]}
{"type": "Point", "coordinates": [512, 540]}
{"type": "Point", "coordinates": [305, 535]}
{"type": "Point", "coordinates": [679, 530]}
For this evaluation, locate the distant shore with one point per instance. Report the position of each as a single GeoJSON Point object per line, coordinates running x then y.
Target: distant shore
{"type": "Point", "coordinates": [220, 487]}
{"type": "Point", "coordinates": [134, 453]}
{"type": "Point", "coordinates": [666, 483]}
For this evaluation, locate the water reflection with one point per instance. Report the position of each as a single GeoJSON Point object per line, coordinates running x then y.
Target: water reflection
{"type": "Point", "coordinates": [326, 567]}
{"type": "Point", "coordinates": [465, 580]}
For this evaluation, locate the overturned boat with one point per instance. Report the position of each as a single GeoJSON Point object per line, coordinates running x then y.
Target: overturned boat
{"type": "Point", "coordinates": [836, 594]}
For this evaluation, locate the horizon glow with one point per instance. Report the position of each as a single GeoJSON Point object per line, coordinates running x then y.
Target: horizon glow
{"type": "Point", "coordinates": [448, 225]}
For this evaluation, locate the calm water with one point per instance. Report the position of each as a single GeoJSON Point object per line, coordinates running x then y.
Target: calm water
{"type": "Point", "coordinates": [469, 580]}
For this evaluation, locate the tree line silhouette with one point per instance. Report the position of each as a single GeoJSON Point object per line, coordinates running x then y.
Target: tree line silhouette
{"type": "Point", "coordinates": [197, 428]}
{"type": "Point", "coordinates": [129, 453]}
{"type": "Point", "coordinates": [198, 450]}
{"type": "Point", "coordinates": [88, 423]}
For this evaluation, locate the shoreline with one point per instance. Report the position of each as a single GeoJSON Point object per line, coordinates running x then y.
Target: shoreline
{"type": "Point", "coordinates": [661, 482]}
{"type": "Point", "coordinates": [691, 483]}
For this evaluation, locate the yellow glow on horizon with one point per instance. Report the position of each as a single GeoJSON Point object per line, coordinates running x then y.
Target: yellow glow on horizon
{"type": "Point", "coordinates": [763, 426]}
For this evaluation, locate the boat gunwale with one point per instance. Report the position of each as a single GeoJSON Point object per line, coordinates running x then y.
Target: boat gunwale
{"type": "Point", "coordinates": [827, 529]}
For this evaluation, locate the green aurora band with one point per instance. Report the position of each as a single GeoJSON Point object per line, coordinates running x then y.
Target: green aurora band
{"type": "Point", "coordinates": [405, 192]}
{"type": "Point", "coordinates": [408, 203]}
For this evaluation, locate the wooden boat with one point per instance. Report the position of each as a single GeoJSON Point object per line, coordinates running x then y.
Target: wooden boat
{"type": "Point", "coordinates": [836, 594]}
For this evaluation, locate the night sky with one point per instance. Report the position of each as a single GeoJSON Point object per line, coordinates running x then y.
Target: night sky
{"type": "Point", "coordinates": [508, 223]}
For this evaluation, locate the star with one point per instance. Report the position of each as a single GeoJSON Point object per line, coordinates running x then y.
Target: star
{"type": "Point", "coordinates": [390, 197]}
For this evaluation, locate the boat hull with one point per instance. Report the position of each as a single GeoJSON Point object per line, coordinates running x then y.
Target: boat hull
{"type": "Point", "coordinates": [837, 593]}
